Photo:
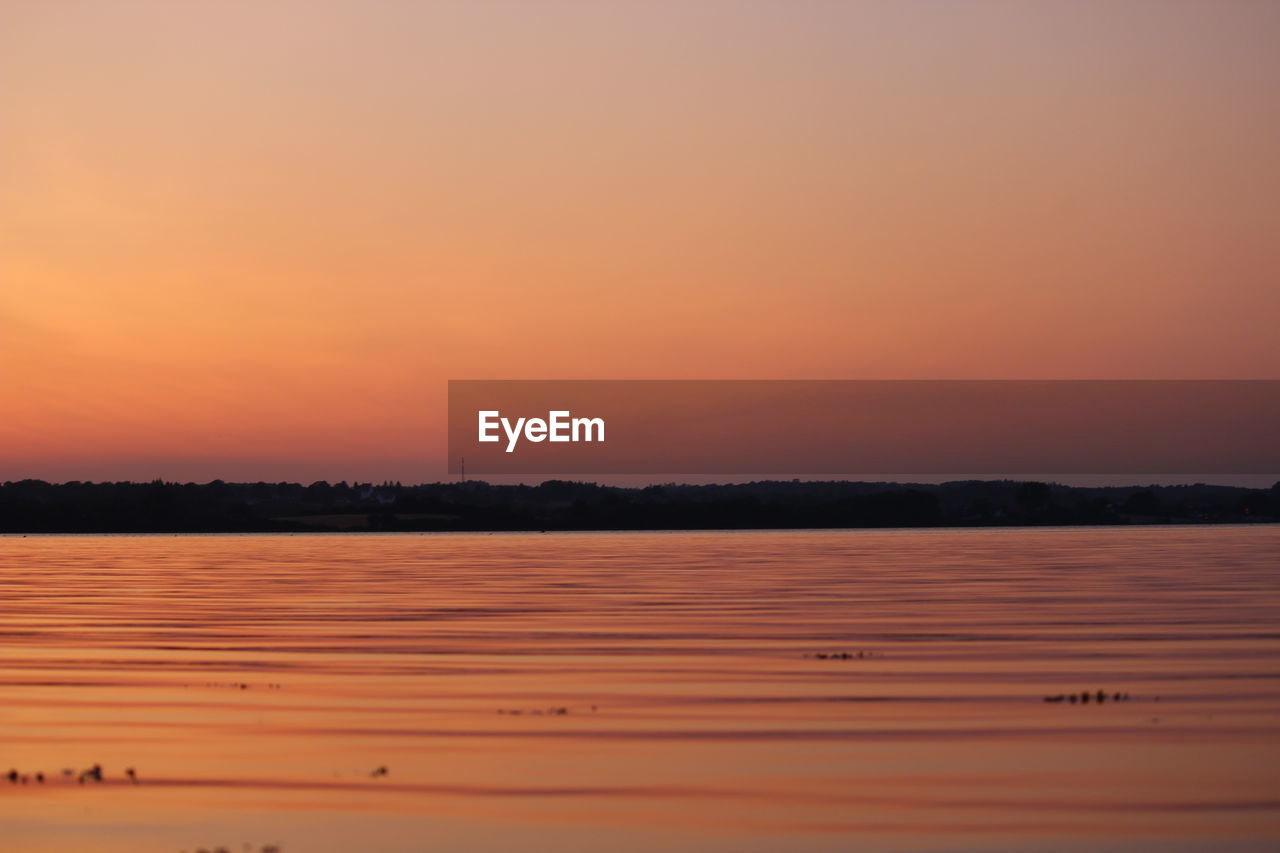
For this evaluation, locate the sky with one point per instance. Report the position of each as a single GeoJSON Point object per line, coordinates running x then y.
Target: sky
{"type": "Point", "coordinates": [249, 241]}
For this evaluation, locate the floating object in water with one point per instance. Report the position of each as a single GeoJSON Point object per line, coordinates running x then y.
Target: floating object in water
{"type": "Point", "coordinates": [132, 774]}
{"type": "Point", "coordinates": [1085, 697]}
{"type": "Point", "coordinates": [379, 771]}
{"type": "Point", "coordinates": [538, 712]}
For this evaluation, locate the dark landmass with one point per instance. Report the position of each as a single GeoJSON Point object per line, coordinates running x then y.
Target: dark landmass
{"type": "Point", "coordinates": [34, 506]}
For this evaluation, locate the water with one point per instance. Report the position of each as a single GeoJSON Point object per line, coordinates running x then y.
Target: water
{"type": "Point", "coordinates": [644, 691]}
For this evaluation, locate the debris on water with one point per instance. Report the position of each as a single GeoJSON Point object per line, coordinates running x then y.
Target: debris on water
{"type": "Point", "coordinates": [860, 655]}
{"type": "Point", "coordinates": [559, 711]}
{"type": "Point", "coordinates": [1085, 697]}
{"type": "Point", "coordinates": [94, 773]}
{"type": "Point", "coordinates": [380, 770]}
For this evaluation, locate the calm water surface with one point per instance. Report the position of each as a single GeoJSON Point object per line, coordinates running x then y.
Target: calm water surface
{"type": "Point", "coordinates": [646, 691]}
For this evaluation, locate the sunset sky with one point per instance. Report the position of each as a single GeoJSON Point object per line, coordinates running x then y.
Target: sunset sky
{"type": "Point", "coordinates": [253, 240]}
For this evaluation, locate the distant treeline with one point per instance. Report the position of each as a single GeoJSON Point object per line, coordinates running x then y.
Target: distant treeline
{"type": "Point", "coordinates": [34, 506]}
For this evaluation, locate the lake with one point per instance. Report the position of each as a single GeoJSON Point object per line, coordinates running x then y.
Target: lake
{"type": "Point", "coordinates": [706, 691]}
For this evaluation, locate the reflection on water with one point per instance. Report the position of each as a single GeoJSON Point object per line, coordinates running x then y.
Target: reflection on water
{"type": "Point", "coordinates": [751, 691]}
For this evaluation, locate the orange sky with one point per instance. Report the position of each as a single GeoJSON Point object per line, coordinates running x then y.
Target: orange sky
{"type": "Point", "coordinates": [248, 240]}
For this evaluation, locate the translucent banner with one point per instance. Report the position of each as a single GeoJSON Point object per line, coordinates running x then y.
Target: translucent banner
{"type": "Point", "coordinates": [965, 428]}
